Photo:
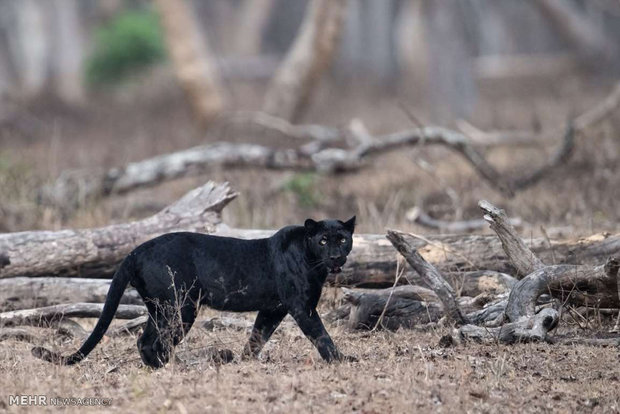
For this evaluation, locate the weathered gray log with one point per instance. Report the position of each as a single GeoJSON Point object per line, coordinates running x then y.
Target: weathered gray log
{"type": "Point", "coordinates": [602, 342]}
{"type": "Point", "coordinates": [532, 329]}
{"type": "Point", "coordinates": [68, 327]}
{"type": "Point", "coordinates": [492, 315]}
{"type": "Point", "coordinates": [18, 334]}
{"type": "Point", "coordinates": [42, 316]}
{"type": "Point", "coordinates": [408, 306]}
{"type": "Point", "coordinates": [35, 292]}
{"type": "Point", "coordinates": [475, 283]}
{"type": "Point", "coordinates": [581, 284]}
{"type": "Point", "coordinates": [338, 314]}
{"type": "Point", "coordinates": [372, 262]}
{"type": "Point", "coordinates": [418, 216]}
{"type": "Point", "coordinates": [88, 252]}
{"type": "Point", "coordinates": [412, 292]}
{"type": "Point", "coordinates": [524, 260]}
{"type": "Point", "coordinates": [129, 327]}
{"type": "Point", "coordinates": [226, 322]}
{"type": "Point", "coordinates": [588, 285]}
{"type": "Point", "coordinates": [401, 307]}
{"type": "Point", "coordinates": [596, 285]}
{"type": "Point", "coordinates": [429, 274]}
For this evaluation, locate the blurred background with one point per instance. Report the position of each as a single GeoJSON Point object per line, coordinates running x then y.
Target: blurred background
{"type": "Point", "coordinates": [91, 85]}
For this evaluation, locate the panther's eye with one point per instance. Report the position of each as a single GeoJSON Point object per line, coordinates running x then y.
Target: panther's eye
{"type": "Point", "coordinates": [323, 242]}
{"type": "Point", "coordinates": [343, 240]}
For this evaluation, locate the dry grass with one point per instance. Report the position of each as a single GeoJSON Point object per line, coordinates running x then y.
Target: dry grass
{"type": "Point", "coordinates": [398, 372]}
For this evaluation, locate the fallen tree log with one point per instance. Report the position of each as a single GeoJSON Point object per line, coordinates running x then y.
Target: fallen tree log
{"type": "Point", "coordinates": [407, 306]}
{"type": "Point", "coordinates": [42, 316]}
{"type": "Point", "coordinates": [401, 307]}
{"type": "Point", "coordinates": [35, 292]}
{"type": "Point", "coordinates": [527, 329]}
{"type": "Point", "coordinates": [91, 252]}
{"type": "Point", "coordinates": [18, 334]}
{"type": "Point", "coordinates": [371, 264]}
{"type": "Point", "coordinates": [480, 282]}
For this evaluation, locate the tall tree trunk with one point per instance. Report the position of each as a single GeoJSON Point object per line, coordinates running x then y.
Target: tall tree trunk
{"type": "Point", "coordinates": [585, 36]}
{"type": "Point", "coordinates": [307, 60]}
{"type": "Point", "coordinates": [69, 51]}
{"type": "Point", "coordinates": [192, 59]}
{"type": "Point", "coordinates": [452, 88]}
{"type": "Point", "coordinates": [253, 17]}
{"type": "Point", "coordinates": [30, 45]}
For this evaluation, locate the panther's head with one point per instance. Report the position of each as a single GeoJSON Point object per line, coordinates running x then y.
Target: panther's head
{"type": "Point", "coordinates": [330, 241]}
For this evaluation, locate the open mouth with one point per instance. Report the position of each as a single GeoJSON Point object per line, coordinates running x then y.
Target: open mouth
{"type": "Point", "coordinates": [335, 269]}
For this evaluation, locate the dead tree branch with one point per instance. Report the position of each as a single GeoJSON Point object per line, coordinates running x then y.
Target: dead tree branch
{"type": "Point", "coordinates": [429, 274]}
{"type": "Point", "coordinates": [319, 154]}
{"type": "Point", "coordinates": [418, 216]}
{"type": "Point", "coordinates": [524, 260]}
{"type": "Point", "coordinates": [593, 285]}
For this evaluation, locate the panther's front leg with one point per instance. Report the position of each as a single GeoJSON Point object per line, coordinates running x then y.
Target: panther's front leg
{"type": "Point", "coordinates": [312, 326]}
{"type": "Point", "coordinates": [266, 323]}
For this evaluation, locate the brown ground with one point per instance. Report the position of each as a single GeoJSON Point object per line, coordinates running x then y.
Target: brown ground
{"type": "Point", "coordinates": [398, 372]}
{"type": "Point", "coordinates": [404, 371]}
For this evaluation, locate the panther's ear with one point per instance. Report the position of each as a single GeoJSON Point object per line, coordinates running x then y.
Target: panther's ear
{"type": "Point", "coordinates": [350, 224]}
{"type": "Point", "coordinates": [310, 225]}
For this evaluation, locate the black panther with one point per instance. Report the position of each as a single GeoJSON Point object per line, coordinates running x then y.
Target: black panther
{"type": "Point", "coordinates": [177, 272]}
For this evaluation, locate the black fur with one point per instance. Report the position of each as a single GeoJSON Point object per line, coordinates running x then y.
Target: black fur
{"type": "Point", "coordinates": [177, 272]}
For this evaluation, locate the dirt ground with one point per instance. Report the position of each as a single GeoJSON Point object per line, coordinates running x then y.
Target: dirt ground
{"type": "Point", "coordinates": [405, 371]}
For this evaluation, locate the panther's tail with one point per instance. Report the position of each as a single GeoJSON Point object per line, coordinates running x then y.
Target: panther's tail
{"type": "Point", "coordinates": [117, 288]}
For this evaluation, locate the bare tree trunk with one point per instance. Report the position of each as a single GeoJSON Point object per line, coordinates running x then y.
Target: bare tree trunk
{"type": "Point", "coordinates": [8, 75]}
{"type": "Point", "coordinates": [253, 17]}
{"type": "Point", "coordinates": [307, 61]}
{"type": "Point", "coordinates": [192, 59]}
{"type": "Point", "coordinates": [68, 51]}
{"type": "Point", "coordinates": [585, 36]}
{"type": "Point", "coordinates": [30, 45]}
{"type": "Point", "coordinates": [86, 252]}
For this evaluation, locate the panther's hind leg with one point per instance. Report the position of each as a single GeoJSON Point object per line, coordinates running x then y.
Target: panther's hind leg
{"type": "Point", "coordinates": [149, 345]}
{"type": "Point", "coordinates": [266, 323]}
{"type": "Point", "coordinates": [166, 327]}
{"type": "Point", "coordinates": [188, 314]}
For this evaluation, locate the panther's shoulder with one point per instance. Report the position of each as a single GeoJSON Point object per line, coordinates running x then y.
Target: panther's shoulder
{"type": "Point", "coordinates": [288, 235]}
